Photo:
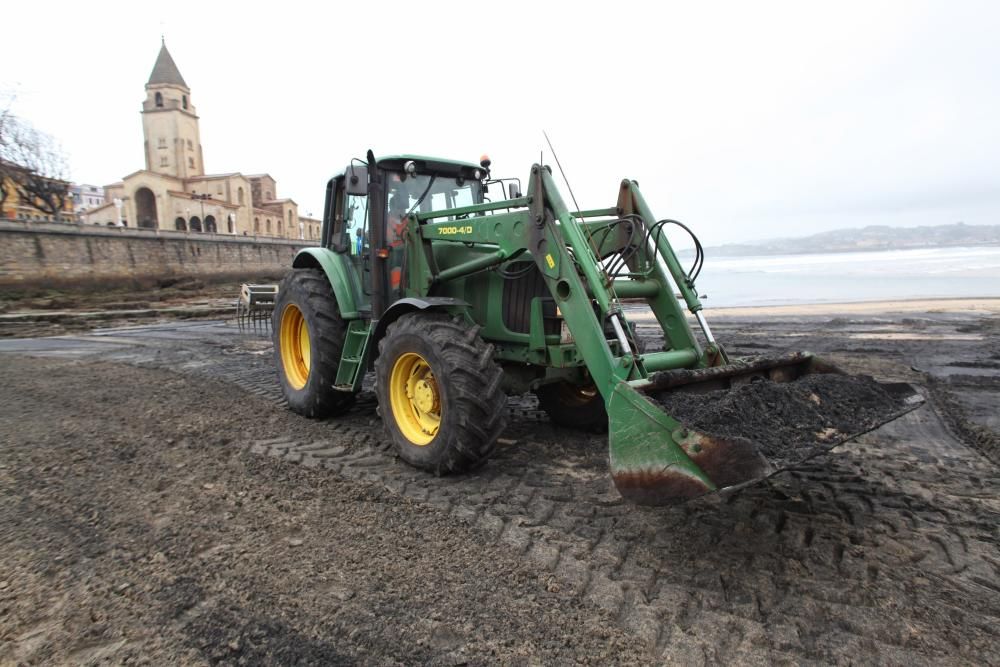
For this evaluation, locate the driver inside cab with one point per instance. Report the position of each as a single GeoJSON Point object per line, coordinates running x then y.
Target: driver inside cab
{"type": "Point", "coordinates": [399, 206]}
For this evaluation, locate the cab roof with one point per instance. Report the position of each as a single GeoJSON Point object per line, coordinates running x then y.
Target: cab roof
{"type": "Point", "coordinates": [426, 158]}
{"type": "Point", "coordinates": [424, 163]}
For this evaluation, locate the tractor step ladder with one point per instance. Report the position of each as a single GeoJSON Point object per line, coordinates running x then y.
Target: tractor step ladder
{"type": "Point", "coordinates": [351, 370]}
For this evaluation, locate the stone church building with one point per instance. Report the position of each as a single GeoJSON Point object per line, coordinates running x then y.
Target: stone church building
{"type": "Point", "coordinates": [174, 192]}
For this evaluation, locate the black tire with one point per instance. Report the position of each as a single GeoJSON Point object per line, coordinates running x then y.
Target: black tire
{"type": "Point", "coordinates": [465, 383]}
{"type": "Point", "coordinates": [308, 292]}
{"type": "Point", "coordinates": [574, 406]}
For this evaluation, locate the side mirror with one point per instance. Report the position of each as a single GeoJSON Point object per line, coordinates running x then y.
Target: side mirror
{"type": "Point", "coordinates": [356, 180]}
{"type": "Point", "coordinates": [512, 188]}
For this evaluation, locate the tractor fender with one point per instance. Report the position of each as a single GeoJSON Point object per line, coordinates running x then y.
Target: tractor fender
{"type": "Point", "coordinates": [332, 265]}
{"type": "Point", "coordinates": [409, 305]}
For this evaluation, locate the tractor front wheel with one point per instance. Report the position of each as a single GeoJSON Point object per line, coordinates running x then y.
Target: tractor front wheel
{"type": "Point", "coordinates": [439, 392]}
{"type": "Point", "coordinates": [308, 335]}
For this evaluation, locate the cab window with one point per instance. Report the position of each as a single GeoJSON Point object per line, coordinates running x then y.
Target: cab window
{"type": "Point", "coordinates": [425, 193]}
{"type": "Point", "coordinates": [356, 224]}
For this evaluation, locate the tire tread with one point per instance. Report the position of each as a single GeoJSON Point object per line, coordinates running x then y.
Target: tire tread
{"type": "Point", "coordinates": [475, 385]}
{"type": "Point", "coordinates": [309, 290]}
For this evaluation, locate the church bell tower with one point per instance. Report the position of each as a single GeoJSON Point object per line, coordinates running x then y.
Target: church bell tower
{"type": "Point", "coordinates": [169, 122]}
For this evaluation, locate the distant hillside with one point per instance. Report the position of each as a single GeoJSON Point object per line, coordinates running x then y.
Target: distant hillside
{"type": "Point", "coordinates": [875, 237]}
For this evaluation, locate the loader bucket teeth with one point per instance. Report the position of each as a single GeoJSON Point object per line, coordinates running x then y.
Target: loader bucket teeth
{"type": "Point", "coordinates": [254, 307]}
{"type": "Point", "coordinates": [657, 459]}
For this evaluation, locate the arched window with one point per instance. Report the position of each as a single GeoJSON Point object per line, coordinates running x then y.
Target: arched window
{"type": "Point", "coordinates": [159, 99]}
{"type": "Point", "coordinates": [195, 224]}
{"type": "Point", "coordinates": [145, 205]}
{"type": "Point", "coordinates": [239, 196]}
{"type": "Point", "coordinates": [210, 225]}
{"type": "Point", "coordinates": [184, 101]}
{"type": "Point", "coordinates": [229, 223]}
{"type": "Point", "coordinates": [180, 225]}
{"type": "Point", "coordinates": [280, 230]}
{"type": "Point", "coordinates": [256, 225]}
{"type": "Point", "coordinates": [267, 227]}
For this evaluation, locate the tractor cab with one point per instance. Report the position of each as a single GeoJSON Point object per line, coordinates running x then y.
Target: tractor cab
{"type": "Point", "coordinates": [369, 204]}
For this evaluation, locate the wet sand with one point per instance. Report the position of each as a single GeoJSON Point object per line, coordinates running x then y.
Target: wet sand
{"type": "Point", "coordinates": [159, 503]}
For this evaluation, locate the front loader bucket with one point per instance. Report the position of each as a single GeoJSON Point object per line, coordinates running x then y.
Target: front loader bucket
{"type": "Point", "coordinates": [691, 432]}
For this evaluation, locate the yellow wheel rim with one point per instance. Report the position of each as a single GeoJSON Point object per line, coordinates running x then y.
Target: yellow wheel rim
{"type": "Point", "coordinates": [296, 350]}
{"type": "Point", "coordinates": [415, 399]}
{"type": "Point", "coordinates": [584, 394]}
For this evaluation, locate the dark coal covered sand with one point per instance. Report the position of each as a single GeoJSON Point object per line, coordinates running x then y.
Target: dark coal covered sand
{"type": "Point", "coordinates": [789, 421]}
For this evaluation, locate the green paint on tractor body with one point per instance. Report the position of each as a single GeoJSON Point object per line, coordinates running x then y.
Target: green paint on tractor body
{"type": "Point", "coordinates": [406, 233]}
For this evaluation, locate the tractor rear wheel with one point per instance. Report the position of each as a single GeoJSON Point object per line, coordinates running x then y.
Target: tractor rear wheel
{"type": "Point", "coordinates": [575, 406]}
{"type": "Point", "coordinates": [439, 392]}
{"type": "Point", "coordinates": [308, 335]}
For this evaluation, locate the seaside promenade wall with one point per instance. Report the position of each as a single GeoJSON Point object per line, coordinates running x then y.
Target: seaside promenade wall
{"type": "Point", "coordinates": [36, 255]}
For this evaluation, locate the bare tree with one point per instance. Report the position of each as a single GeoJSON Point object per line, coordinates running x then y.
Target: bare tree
{"type": "Point", "coordinates": [7, 121]}
{"type": "Point", "coordinates": [33, 164]}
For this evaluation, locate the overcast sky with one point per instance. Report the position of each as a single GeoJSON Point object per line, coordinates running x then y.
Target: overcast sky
{"type": "Point", "coordinates": [744, 120]}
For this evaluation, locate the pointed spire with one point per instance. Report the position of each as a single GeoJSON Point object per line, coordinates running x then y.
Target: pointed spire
{"type": "Point", "coordinates": [165, 71]}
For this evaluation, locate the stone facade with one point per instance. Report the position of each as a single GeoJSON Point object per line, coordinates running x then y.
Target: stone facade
{"type": "Point", "coordinates": [173, 192]}
{"type": "Point", "coordinates": [38, 255]}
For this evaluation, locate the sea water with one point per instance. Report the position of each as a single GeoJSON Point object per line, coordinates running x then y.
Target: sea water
{"type": "Point", "coordinates": [850, 276]}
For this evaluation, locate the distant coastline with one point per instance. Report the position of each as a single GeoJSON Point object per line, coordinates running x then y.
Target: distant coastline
{"type": "Point", "coordinates": [875, 238]}
{"type": "Point", "coordinates": [872, 275]}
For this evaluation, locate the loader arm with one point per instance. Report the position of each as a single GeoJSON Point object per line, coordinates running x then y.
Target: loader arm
{"type": "Point", "coordinates": [564, 248]}
{"type": "Point", "coordinates": [654, 458]}
{"type": "Point", "coordinates": [562, 245]}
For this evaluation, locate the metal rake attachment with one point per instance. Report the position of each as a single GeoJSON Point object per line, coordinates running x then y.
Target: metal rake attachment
{"type": "Point", "coordinates": [254, 307]}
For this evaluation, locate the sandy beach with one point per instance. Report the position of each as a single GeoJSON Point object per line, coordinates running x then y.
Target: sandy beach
{"type": "Point", "coordinates": [160, 504]}
{"type": "Point", "coordinates": [977, 306]}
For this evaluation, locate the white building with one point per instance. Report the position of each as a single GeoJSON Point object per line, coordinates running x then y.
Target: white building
{"type": "Point", "coordinates": [86, 197]}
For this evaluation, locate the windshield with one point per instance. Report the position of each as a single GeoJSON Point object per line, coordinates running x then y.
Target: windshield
{"type": "Point", "coordinates": [424, 193]}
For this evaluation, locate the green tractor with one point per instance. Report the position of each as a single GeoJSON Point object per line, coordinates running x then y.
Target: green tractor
{"type": "Point", "coordinates": [456, 302]}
